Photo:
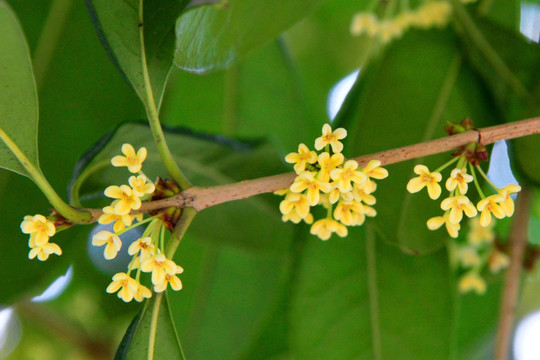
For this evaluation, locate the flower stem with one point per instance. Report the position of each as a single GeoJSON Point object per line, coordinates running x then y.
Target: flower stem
{"type": "Point", "coordinates": [188, 214]}
{"type": "Point", "coordinates": [486, 178]}
{"type": "Point", "coordinates": [447, 164]}
{"type": "Point", "coordinates": [473, 173]}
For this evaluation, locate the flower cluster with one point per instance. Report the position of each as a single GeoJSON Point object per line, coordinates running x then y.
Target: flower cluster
{"type": "Point", "coordinates": [328, 179]}
{"type": "Point", "coordinates": [40, 229]}
{"type": "Point", "coordinates": [147, 251]}
{"type": "Point", "coordinates": [478, 252]}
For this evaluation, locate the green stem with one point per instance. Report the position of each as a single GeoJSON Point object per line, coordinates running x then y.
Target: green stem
{"type": "Point", "coordinates": [491, 56]}
{"type": "Point", "coordinates": [475, 179]}
{"type": "Point", "coordinates": [70, 213]}
{"type": "Point", "coordinates": [135, 225]}
{"type": "Point", "coordinates": [447, 164]}
{"type": "Point", "coordinates": [486, 178]}
{"type": "Point", "coordinates": [153, 325]}
{"type": "Point", "coordinates": [188, 214]}
{"type": "Point", "coordinates": [153, 115]}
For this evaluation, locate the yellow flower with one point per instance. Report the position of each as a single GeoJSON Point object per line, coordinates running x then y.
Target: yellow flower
{"type": "Point", "coordinates": [374, 170]}
{"type": "Point", "coordinates": [472, 282]}
{"type": "Point", "coordinates": [346, 212]}
{"type": "Point", "coordinates": [489, 206]}
{"type": "Point", "coordinates": [328, 163]}
{"type": "Point", "coordinates": [364, 23]}
{"type": "Point", "coordinates": [159, 266]}
{"type": "Point", "coordinates": [361, 196]}
{"type": "Point", "coordinates": [468, 256]}
{"type": "Point", "coordinates": [349, 173]}
{"type": "Point", "coordinates": [170, 278]}
{"type": "Point", "coordinates": [325, 227]}
{"type": "Point", "coordinates": [120, 221]}
{"type": "Point", "coordinates": [508, 203]}
{"type": "Point", "coordinates": [42, 252]}
{"type": "Point", "coordinates": [436, 222]}
{"type": "Point", "coordinates": [140, 186]}
{"type": "Point", "coordinates": [498, 261]}
{"type": "Point", "coordinates": [295, 218]}
{"type": "Point", "coordinates": [331, 138]}
{"type": "Point", "coordinates": [126, 286]}
{"type": "Point", "coordinates": [296, 202]}
{"type": "Point", "coordinates": [479, 234]}
{"type": "Point", "coordinates": [457, 206]}
{"type": "Point", "coordinates": [142, 293]}
{"type": "Point", "coordinates": [126, 199]}
{"type": "Point", "coordinates": [132, 160]}
{"type": "Point", "coordinates": [39, 228]}
{"type": "Point", "coordinates": [306, 180]}
{"type": "Point", "coordinates": [144, 246]}
{"type": "Point", "coordinates": [459, 178]}
{"type": "Point", "coordinates": [300, 159]}
{"type": "Point", "coordinates": [112, 242]}
{"type": "Point", "coordinates": [427, 179]}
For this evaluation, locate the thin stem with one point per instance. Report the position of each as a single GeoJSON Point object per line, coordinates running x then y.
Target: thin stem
{"type": "Point", "coordinates": [139, 223]}
{"type": "Point", "coordinates": [188, 214]}
{"type": "Point", "coordinates": [518, 244]}
{"type": "Point", "coordinates": [447, 164]}
{"type": "Point", "coordinates": [153, 115]}
{"type": "Point", "coordinates": [486, 178]}
{"type": "Point", "coordinates": [72, 214]}
{"type": "Point", "coordinates": [74, 193]}
{"type": "Point", "coordinates": [475, 179]}
{"type": "Point", "coordinates": [153, 325]}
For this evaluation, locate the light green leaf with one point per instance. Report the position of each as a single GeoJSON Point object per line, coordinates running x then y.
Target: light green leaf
{"type": "Point", "coordinates": [151, 334]}
{"type": "Point", "coordinates": [211, 38]}
{"type": "Point", "coordinates": [118, 25]}
{"type": "Point", "coordinates": [18, 102]}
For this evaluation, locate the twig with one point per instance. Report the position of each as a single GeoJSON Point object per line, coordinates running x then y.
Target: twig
{"type": "Point", "coordinates": [518, 243]}
{"type": "Point", "coordinates": [201, 198]}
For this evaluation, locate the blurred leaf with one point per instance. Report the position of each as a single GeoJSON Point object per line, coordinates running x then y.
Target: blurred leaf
{"type": "Point", "coordinates": [140, 333]}
{"type": "Point", "coordinates": [358, 298]}
{"type": "Point", "coordinates": [211, 38]}
{"type": "Point", "coordinates": [117, 23]}
{"type": "Point", "coordinates": [404, 98]}
{"type": "Point", "coordinates": [206, 160]}
{"type": "Point", "coordinates": [18, 103]}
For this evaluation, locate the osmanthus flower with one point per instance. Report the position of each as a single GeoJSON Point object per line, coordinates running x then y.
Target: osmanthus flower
{"type": "Point", "coordinates": [140, 185]}
{"type": "Point", "coordinates": [328, 164]}
{"type": "Point", "coordinates": [142, 293]}
{"type": "Point", "coordinates": [127, 200]}
{"type": "Point", "coordinates": [347, 212]}
{"type": "Point", "coordinates": [159, 266]}
{"type": "Point", "coordinates": [314, 186]}
{"type": "Point", "coordinates": [436, 222]}
{"type": "Point", "coordinates": [300, 159]}
{"type": "Point", "coordinates": [331, 138]}
{"type": "Point", "coordinates": [472, 281]}
{"type": "Point", "coordinates": [112, 243]}
{"type": "Point", "coordinates": [468, 256]}
{"type": "Point", "coordinates": [120, 221]}
{"type": "Point", "coordinates": [172, 279]}
{"type": "Point", "coordinates": [460, 179]}
{"type": "Point", "coordinates": [458, 205]}
{"type": "Point", "coordinates": [294, 217]}
{"type": "Point", "coordinates": [144, 246]}
{"type": "Point", "coordinates": [497, 261]}
{"type": "Point", "coordinates": [507, 203]}
{"type": "Point", "coordinates": [131, 159]}
{"type": "Point", "coordinates": [39, 228]}
{"type": "Point", "coordinates": [325, 227]}
{"type": "Point", "coordinates": [490, 206]}
{"type": "Point", "coordinates": [344, 177]}
{"type": "Point", "coordinates": [126, 286]}
{"type": "Point", "coordinates": [361, 195]}
{"type": "Point", "coordinates": [427, 179]}
{"type": "Point", "coordinates": [42, 252]}
{"type": "Point", "coordinates": [479, 234]}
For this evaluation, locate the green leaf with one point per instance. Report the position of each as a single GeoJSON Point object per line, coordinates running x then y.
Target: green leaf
{"type": "Point", "coordinates": [18, 103]}
{"type": "Point", "coordinates": [358, 298]}
{"type": "Point", "coordinates": [211, 38]}
{"type": "Point", "coordinates": [151, 334]}
{"type": "Point", "coordinates": [398, 102]}
{"type": "Point", "coordinates": [118, 26]}
{"type": "Point", "coordinates": [206, 160]}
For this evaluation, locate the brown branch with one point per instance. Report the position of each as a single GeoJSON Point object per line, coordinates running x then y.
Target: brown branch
{"type": "Point", "coordinates": [203, 197]}
{"type": "Point", "coordinates": [518, 244]}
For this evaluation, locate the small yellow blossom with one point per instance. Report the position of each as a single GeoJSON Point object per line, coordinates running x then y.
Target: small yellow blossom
{"type": "Point", "coordinates": [120, 221]}
{"type": "Point", "coordinates": [345, 212]}
{"type": "Point", "coordinates": [374, 170]}
{"type": "Point", "coordinates": [433, 13]}
{"type": "Point", "coordinates": [468, 256]}
{"type": "Point", "coordinates": [347, 175]}
{"type": "Point", "coordinates": [328, 164]}
{"type": "Point", "coordinates": [436, 222]}
{"type": "Point", "coordinates": [479, 234]}
{"type": "Point", "coordinates": [159, 266]}
{"type": "Point", "coordinates": [325, 227]}
{"type": "Point", "coordinates": [307, 180]}
{"type": "Point", "coordinates": [458, 205]}
{"type": "Point", "coordinates": [142, 293]}
{"type": "Point", "coordinates": [489, 206]}
{"type": "Point", "coordinates": [127, 200]}
{"type": "Point", "coordinates": [331, 138]}
{"type": "Point", "coordinates": [460, 179]}
{"type": "Point", "coordinates": [498, 261]}
{"type": "Point", "coordinates": [132, 160]}
{"type": "Point", "coordinates": [42, 252]}
{"type": "Point", "coordinates": [364, 23]}
{"type": "Point", "coordinates": [296, 202]}
{"type": "Point", "coordinates": [295, 218]}
{"type": "Point", "coordinates": [143, 245]}
{"type": "Point", "coordinates": [508, 203]}
{"type": "Point", "coordinates": [361, 195]}
{"type": "Point", "coordinates": [126, 286]}
{"type": "Point", "coordinates": [427, 179]}
{"type": "Point", "coordinates": [39, 228]}
{"type": "Point", "coordinates": [472, 282]}
{"type": "Point", "coordinates": [140, 185]}
{"type": "Point", "coordinates": [170, 278]}
{"type": "Point", "coordinates": [112, 242]}
{"type": "Point", "coordinates": [300, 159]}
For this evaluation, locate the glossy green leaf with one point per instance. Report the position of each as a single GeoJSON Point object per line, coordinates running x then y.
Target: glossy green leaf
{"type": "Point", "coordinates": [358, 298]}
{"type": "Point", "coordinates": [206, 160]}
{"type": "Point", "coordinates": [211, 38]}
{"type": "Point", "coordinates": [399, 102]}
{"type": "Point", "coordinates": [18, 102]}
{"type": "Point", "coordinates": [118, 26]}
{"type": "Point", "coordinates": [151, 334]}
